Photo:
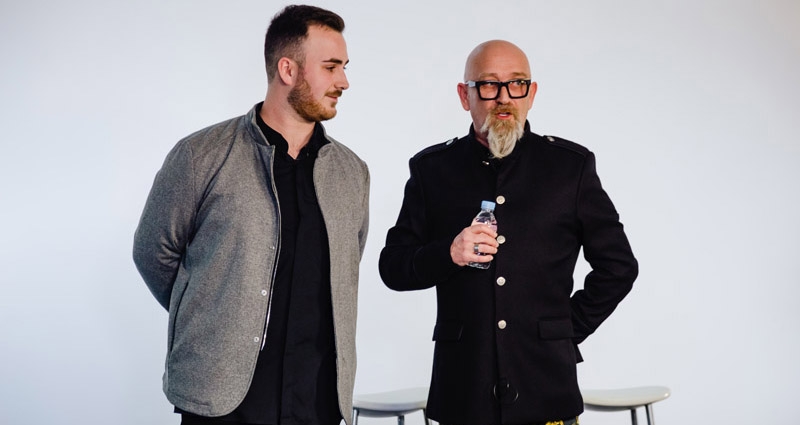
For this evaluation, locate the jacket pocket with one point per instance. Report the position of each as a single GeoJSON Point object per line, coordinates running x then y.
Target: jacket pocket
{"type": "Point", "coordinates": [556, 329]}
{"type": "Point", "coordinates": [448, 331]}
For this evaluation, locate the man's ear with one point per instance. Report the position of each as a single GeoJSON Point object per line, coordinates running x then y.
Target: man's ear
{"type": "Point", "coordinates": [463, 92]}
{"type": "Point", "coordinates": [532, 93]}
{"type": "Point", "coordinates": [287, 71]}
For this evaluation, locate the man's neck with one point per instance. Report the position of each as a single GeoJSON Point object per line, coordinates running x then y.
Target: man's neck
{"type": "Point", "coordinates": [294, 129]}
{"type": "Point", "coordinates": [481, 138]}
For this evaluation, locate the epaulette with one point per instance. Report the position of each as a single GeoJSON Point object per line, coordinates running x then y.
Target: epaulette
{"type": "Point", "coordinates": [436, 148]}
{"type": "Point", "coordinates": [564, 143]}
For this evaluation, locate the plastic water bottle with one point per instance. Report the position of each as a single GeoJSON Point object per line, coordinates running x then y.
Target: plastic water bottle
{"type": "Point", "coordinates": [486, 216]}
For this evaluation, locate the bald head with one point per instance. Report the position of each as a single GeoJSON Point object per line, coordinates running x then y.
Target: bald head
{"type": "Point", "coordinates": [495, 57]}
{"type": "Point", "coordinates": [498, 93]}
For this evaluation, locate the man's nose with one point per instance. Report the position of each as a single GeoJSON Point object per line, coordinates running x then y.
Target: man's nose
{"type": "Point", "coordinates": [343, 84]}
{"type": "Point", "coordinates": [504, 96]}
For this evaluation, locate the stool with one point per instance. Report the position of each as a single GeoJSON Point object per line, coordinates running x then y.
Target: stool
{"type": "Point", "coordinates": [391, 403]}
{"type": "Point", "coordinates": [625, 399]}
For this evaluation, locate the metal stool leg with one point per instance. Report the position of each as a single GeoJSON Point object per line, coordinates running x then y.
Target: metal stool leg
{"type": "Point", "coordinates": [651, 419]}
{"type": "Point", "coordinates": [634, 419]}
{"type": "Point", "coordinates": [355, 416]}
{"type": "Point", "coordinates": [401, 420]}
{"type": "Point", "coordinates": [425, 414]}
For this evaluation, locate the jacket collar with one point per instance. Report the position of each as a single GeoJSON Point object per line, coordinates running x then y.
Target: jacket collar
{"type": "Point", "coordinates": [254, 129]}
{"type": "Point", "coordinates": [481, 153]}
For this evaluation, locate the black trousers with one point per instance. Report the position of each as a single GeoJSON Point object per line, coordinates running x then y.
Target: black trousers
{"type": "Point", "coordinates": [572, 421]}
{"type": "Point", "coordinates": [201, 420]}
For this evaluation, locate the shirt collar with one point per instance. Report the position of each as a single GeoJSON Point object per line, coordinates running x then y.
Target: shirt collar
{"type": "Point", "coordinates": [277, 140]}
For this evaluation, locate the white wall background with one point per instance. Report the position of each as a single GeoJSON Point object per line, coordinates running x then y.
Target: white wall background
{"type": "Point", "coordinates": [692, 107]}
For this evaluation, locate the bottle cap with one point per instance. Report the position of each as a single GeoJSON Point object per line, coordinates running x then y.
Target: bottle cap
{"type": "Point", "coordinates": [487, 205]}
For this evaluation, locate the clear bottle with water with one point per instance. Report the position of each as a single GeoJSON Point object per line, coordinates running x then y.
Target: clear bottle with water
{"type": "Point", "coordinates": [486, 216]}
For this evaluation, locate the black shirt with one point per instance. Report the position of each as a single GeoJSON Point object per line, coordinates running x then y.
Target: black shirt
{"type": "Point", "coordinates": [295, 377]}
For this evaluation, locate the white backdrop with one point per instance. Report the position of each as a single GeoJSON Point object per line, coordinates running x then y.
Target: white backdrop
{"type": "Point", "coordinates": [692, 108]}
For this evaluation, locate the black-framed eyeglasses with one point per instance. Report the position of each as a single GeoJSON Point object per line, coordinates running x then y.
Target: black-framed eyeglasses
{"type": "Point", "coordinates": [490, 90]}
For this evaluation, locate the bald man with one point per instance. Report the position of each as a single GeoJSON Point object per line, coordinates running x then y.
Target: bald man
{"type": "Point", "coordinates": [507, 336]}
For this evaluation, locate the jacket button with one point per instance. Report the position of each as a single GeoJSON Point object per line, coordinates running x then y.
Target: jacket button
{"type": "Point", "coordinates": [256, 339]}
{"type": "Point", "coordinates": [501, 239]}
{"type": "Point", "coordinates": [264, 292]}
{"type": "Point", "coordinates": [501, 324]}
{"type": "Point", "coordinates": [500, 199]}
{"type": "Point", "coordinates": [501, 281]}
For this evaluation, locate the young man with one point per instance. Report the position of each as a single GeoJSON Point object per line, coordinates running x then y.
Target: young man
{"type": "Point", "coordinates": [506, 337]}
{"type": "Point", "coordinates": [242, 241]}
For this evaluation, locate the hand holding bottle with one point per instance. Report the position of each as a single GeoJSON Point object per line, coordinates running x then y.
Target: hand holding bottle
{"type": "Point", "coordinates": [477, 244]}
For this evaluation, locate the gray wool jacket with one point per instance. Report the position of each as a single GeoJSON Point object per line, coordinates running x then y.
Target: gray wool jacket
{"type": "Point", "coordinates": [207, 246]}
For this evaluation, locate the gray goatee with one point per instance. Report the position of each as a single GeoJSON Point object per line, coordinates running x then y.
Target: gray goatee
{"type": "Point", "coordinates": [502, 135]}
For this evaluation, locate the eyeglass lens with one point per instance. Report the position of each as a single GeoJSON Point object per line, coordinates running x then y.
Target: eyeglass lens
{"type": "Point", "coordinates": [489, 90]}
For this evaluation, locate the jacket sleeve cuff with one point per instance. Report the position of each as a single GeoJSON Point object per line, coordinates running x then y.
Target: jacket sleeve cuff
{"type": "Point", "coordinates": [432, 262]}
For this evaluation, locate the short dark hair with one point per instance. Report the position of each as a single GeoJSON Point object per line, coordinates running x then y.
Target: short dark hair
{"type": "Point", "coordinates": [288, 30]}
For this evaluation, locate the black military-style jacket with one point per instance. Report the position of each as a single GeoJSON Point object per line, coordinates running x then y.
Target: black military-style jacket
{"type": "Point", "coordinates": [506, 337]}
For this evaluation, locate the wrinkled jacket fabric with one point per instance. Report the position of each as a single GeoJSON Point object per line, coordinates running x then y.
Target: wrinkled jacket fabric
{"type": "Point", "coordinates": [506, 338]}
{"type": "Point", "coordinates": [207, 246]}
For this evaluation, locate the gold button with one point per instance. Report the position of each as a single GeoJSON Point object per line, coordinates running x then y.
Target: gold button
{"type": "Point", "coordinates": [501, 281]}
{"type": "Point", "coordinates": [501, 199]}
{"type": "Point", "coordinates": [501, 239]}
{"type": "Point", "coordinates": [501, 324]}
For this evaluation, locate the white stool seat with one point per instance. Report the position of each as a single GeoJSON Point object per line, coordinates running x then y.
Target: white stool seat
{"type": "Point", "coordinates": [391, 403]}
{"type": "Point", "coordinates": [625, 399]}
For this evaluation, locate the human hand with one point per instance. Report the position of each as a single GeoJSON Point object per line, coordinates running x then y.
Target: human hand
{"type": "Point", "coordinates": [479, 238]}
